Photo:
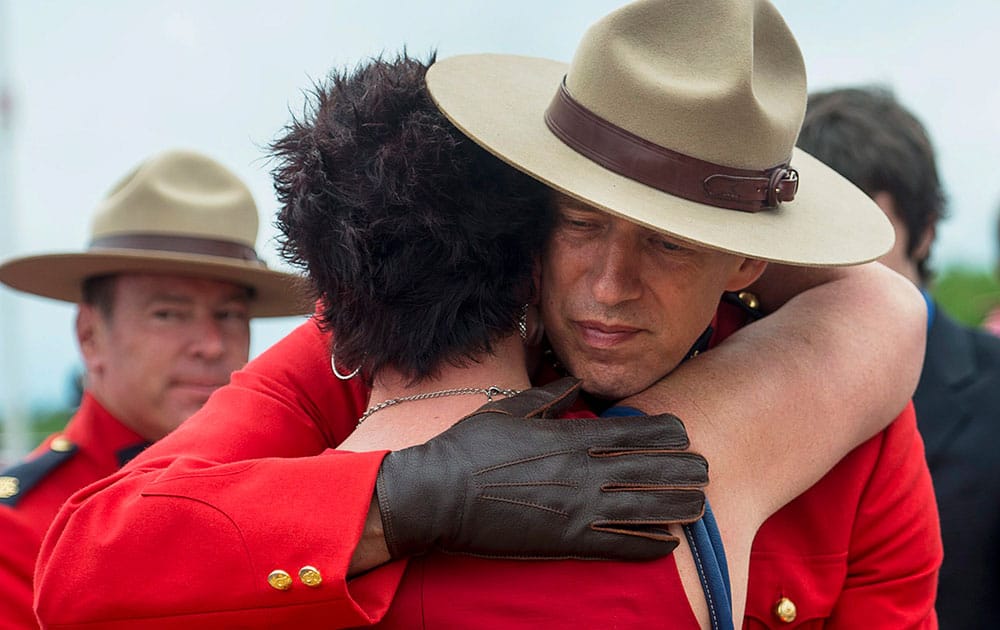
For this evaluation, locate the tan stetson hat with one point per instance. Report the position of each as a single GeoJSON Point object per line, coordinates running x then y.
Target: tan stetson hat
{"type": "Point", "coordinates": [178, 213]}
{"type": "Point", "coordinates": [680, 115]}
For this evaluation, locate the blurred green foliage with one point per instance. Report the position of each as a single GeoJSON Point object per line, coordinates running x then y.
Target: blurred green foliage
{"type": "Point", "coordinates": [41, 423]}
{"type": "Point", "coordinates": [44, 423]}
{"type": "Point", "coordinates": [966, 294]}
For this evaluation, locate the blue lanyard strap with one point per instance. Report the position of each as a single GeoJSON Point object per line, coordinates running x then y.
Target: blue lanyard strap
{"type": "Point", "coordinates": [710, 559]}
{"type": "Point", "coordinates": [709, 555]}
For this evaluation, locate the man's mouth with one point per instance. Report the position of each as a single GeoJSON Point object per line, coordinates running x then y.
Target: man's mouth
{"type": "Point", "coordinates": [602, 335]}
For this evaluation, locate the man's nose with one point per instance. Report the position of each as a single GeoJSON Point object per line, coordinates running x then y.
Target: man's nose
{"type": "Point", "coordinates": [617, 275]}
{"type": "Point", "coordinates": [208, 339]}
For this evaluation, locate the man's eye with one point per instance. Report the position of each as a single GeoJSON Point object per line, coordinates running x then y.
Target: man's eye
{"type": "Point", "coordinates": [167, 314]}
{"type": "Point", "coordinates": [232, 315]}
{"type": "Point", "coordinates": [578, 223]}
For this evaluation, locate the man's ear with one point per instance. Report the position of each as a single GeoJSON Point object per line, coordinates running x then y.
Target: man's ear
{"type": "Point", "coordinates": [90, 336]}
{"type": "Point", "coordinates": [923, 249]}
{"type": "Point", "coordinates": [746, 274]}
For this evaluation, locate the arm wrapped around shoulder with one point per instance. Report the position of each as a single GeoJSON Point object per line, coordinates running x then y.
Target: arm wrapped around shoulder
{"type": "Point", "coordinates": [513, 481]}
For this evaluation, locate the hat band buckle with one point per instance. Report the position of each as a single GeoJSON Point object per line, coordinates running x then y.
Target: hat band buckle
{"type": "Point", "coordinates": [672, 172]}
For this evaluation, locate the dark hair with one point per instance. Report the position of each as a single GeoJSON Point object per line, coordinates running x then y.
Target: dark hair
{"type": "Point", "coordinates": [99, 292]}
{"type": "Point", "coordinates": [419, 243]}
{"type": "Point", "coordinates": [869, 138]}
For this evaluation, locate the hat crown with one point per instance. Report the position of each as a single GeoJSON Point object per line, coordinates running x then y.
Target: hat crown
{"type": "Point", "coordinates": [179, 193]}
{"type": "Point", "coordinates": [722, 81]}
{"type": "Point", "coordinates": [178, 213]}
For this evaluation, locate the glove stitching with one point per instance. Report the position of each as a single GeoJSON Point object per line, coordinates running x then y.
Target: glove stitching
{"type": "Point", "coordinates": [664, 537]}
{"type": "Point", "coordinates": [618, 451]}
{"type": "Point", "coordinates": [522, 461]}
{"type": "Point", "coordinates": [537, 506]}
{"type": "Point", "coordinates": [683, 520]}
{"type": "Point", "coordinates": [531, 484]}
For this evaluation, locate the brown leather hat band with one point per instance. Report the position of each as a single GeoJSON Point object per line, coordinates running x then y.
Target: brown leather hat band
{"type": "Point", "coordinates": [675, 173]}
{"type": "Point", "coordinates": [179, 244]}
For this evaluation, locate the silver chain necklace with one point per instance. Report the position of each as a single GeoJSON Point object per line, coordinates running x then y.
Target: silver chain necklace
{"type": "Point", "coordinates": [489, 392]}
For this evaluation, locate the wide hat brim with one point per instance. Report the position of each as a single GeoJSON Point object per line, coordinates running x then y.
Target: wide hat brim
{"type": "Point", "coordinates": [499, 101]}
{"type": "Point", "coordinates": [60, 276]}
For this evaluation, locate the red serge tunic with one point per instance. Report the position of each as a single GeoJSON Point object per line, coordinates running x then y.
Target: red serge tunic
{"type": "Point", "coordinates": [208, 513]}
{"type": "Point", "coordinates": [92, 446]}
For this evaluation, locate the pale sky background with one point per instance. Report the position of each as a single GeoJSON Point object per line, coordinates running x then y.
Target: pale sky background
{"type": "Point", "coordinates": [97, 86]}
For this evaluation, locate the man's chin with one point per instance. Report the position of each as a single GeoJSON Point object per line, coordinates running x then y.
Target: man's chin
{"type": "Point", "coordinates": [613, 389]}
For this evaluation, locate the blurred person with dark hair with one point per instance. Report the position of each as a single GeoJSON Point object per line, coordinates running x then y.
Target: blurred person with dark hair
{"type": "Point", "coordinates": [870, 138]}
{"type": "Point", "coordinates": [991, 322]}
{"type": "Point", "coordinates": [635, 281]}
{"type": "Point", "coordinates": [164, 294]}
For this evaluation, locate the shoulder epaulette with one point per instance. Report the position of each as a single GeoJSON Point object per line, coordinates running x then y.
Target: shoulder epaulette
{"type": "Point", "coordinates": [746, 301]}
{"type": "Point", "coordinates": [20, 478]}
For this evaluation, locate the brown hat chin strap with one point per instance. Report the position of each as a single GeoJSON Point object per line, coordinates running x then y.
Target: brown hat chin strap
{"type": "Point", "coordinates": [675, 173]}
{"type": "Point", "coordinates": [178, 244]}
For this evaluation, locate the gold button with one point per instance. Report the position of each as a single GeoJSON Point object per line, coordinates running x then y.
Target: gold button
{"type": "Point", "coordinates": [785, 610]}
{"type": "Point", "coordinates": [749, 299]}
{"type": "Point", "coordinates": [280, 580]}
{"type": "Point", "coordinates": [9, 486]}
{"type": "Point", "coordinates": [60, 444]}
{"type": "Point", "coordinates": [310, 576]}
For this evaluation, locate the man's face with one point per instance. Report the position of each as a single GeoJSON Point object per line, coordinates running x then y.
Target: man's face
{"type": "Point", "coordinates": [169, 342]}
{"type": "Point", "coordinates": [623, 304]}
{"type": "Point", "coordinates": [898, 258]}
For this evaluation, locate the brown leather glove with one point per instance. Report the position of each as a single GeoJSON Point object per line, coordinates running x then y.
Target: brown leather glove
{"type": "Point", "coordinates": [512, 481]}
